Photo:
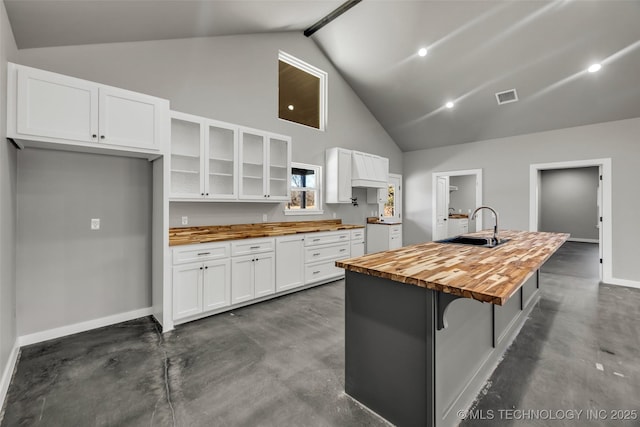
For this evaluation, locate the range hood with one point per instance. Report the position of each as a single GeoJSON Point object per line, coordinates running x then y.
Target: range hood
{"type": "Point", "coordinates": [369, 170]}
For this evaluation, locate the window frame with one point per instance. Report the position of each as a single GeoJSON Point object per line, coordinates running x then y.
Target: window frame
{"type": "Point", "coordinates": [316, 72]}
{"type": "Point", "coordinates": [318, 189]}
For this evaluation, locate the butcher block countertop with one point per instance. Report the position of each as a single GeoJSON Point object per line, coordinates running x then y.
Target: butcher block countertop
{"type": "Point", "coordinates": [484, 274]}
{"type": "Point", "coordinates": [219, 233]}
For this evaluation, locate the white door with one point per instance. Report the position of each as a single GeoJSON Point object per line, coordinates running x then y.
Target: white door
{"type": "Point", "coordinates": [55, 106]}
{"type": "Point", "coordinates": [289, 262]}
{"type": "Point", "coordinates": [600, 218]}
{"type": "Point", "coordinates": [442, 207]}
{"type": "Point", "coordinates": [265, 277]}
{"type": "Point", "coordinates": [129, 119]}
{"type": "Point", "coordinates": [187, 290]}
{"type": "Point", "coordinates": [216, 284]}
{"type": "Point", "coordinates": [242, 279]}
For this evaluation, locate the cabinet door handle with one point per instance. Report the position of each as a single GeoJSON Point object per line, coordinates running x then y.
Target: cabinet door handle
{"type": "Point", "coordinates": [102, 136]}
{"type": "Point", "coordinates": [200, 268]}
{"type": "Point", "coordinates": [204, 253]}
{"type": "Point", "coordinates": [206, 268]}
{"type": "Point", "coordinates": [94, 136]}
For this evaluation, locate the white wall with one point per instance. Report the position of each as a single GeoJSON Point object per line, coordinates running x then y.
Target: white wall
{"type": "Point", "coordinates": [569, 202]}
{"type": "Point", "coordinates": [8, 163]}
{"type": "Point", "coordinates": [67, 273]}
{"type": "Point", "coordinates": [233, 79]}
{"type": "Point", "coordinates": [505, 163]}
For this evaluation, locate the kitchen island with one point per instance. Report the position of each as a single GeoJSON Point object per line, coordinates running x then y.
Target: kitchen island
{"type": "Point", "coordinates": [426, 324]}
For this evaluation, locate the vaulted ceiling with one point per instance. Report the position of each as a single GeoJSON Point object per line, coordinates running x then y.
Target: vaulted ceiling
{"type": "Point", "coordinates": [475, 49]}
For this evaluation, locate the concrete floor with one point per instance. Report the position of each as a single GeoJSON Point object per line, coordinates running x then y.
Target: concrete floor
{"type": "Point", "coordinates": [281, 363]}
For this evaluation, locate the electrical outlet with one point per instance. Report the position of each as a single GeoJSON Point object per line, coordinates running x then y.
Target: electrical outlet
{"type": "Point", "coordinates": [264, 217]}
{"type": "Point", "coordinates": [185, 220]}
{"type": "Point", "coordinates": [335, 215]}
{"type": "Point", "coordinates": [95, 223]}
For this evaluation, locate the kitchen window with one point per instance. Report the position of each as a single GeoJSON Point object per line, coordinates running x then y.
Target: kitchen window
{"type": "Point", "coordinates": [302, 92]}
{"type": "Point", "coordinates": [306, 190]}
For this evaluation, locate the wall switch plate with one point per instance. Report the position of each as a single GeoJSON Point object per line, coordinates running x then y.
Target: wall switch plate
{"type": "Point", "coordinates": [185, 220]}
{"type": "Point", "coordinates": [95, 223]}
{"type": "Point", "coordinates": [335, 215]}
{"type": "Point", "coordinates": [264, 217]}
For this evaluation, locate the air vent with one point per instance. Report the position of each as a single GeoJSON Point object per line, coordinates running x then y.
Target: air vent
{"type": "Point", "coordinates": [507, 96]}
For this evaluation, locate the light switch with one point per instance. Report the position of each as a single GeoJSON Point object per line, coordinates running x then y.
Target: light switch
{"type": "Point", "coordinates": [95, 223]}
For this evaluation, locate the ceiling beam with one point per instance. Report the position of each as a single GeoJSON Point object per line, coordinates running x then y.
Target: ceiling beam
{"type": "Point", "coordinates": [330, 17]}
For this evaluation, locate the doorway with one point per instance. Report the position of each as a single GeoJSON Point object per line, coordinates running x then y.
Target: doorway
{"type": "Point", "coordinates": [468, 182]}
{"type": "Point", "coordinates": [602, 209]}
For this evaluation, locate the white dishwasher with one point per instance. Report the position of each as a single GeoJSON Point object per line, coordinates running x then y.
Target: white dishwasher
{"type": "Point", "coordinates": [383, 236]}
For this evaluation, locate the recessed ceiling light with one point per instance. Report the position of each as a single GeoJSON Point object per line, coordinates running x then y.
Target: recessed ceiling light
{"type": "Point", "coordinates": [449, 104]}
{"type": "Point", "coordinates": [290, 107]}
{"type": "Point", "coordinates": [594, 67]}
{"type": "Point", "coordinates": [422, 51]}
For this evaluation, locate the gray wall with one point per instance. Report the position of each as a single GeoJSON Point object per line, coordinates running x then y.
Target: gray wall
{"type": "Point", "coordinates": [465, 197]}
{"type": "Point", "coordinates": [67, 273]}
{"type": "Point", "coordinates": [506, 180]}
{"type": "Point", "coordinates": [8, 164]}
{"type": "Point", "coordinates": [569, 202]}
{"type": "Point", "coordinates": [232, 79]}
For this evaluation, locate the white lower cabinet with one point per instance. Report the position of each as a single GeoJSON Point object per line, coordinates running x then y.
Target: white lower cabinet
{"type": "Point", "coordinates": [383, 237]}
{"type": "Point", "coordinates": [202, 285]}
{"type": "Point", "coordinates": [253, 273]}
{"type": "Point", "coordinates": [214, 277]}
{"type": "Point", "coordinates": [289, 262]}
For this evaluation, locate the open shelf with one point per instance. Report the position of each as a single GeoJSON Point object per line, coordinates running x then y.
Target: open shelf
{"type": "Point", "coordinates": [188, 156]}
{"type": "Point", "coordinates": [220, 174]}
{"type": "Point", "coordinates": [185, 171]}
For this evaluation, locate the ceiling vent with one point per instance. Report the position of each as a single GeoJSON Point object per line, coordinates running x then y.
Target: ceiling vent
{"type": "Point", "coordinates": [507, 96]}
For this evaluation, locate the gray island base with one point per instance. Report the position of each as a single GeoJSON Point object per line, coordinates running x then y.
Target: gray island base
{"type": "Point", "coordinates": [416, 356]}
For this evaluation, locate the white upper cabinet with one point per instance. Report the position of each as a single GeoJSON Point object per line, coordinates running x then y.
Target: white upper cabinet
{"type": "Point", "coordinates": [264, 166]}
{"type": "Point", "coordinates": [129, 119]}
{"type": "Point", "coordinates": [338, 181]}
{"type": "Point", "coordinates": [203, 158]}
{"type": "Point", "coordinates": [54, 108]}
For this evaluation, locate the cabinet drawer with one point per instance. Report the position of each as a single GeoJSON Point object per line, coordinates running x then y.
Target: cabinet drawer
{"type": "Point", "coordinates": [252, 246]}
{"type": "Point", "coordinates": [395, 230]}
{"type": "Point", "coordinates": [333, 252]}
{"type": "Point", "coordinates": [322, 271]}
{"type": "Point", "coordinates": [314, 239]}
{"type": "Point", "coordinates": [200, 252]}
{"type": "Point", "coordinates": [357, 235]}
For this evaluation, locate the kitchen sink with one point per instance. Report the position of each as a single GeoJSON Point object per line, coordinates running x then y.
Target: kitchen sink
{"type": "Point", "coordinates": [485, 242]}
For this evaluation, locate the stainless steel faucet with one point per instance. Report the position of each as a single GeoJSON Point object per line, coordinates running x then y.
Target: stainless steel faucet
{"type": "Point", "coordinates": [495, 227]}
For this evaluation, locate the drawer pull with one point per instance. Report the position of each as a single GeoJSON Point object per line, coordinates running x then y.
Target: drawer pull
{"type": "Point", "coordinates": [316, 254]}
{"type": "Point", "coordinates": [343, 237]}
{"type": "Point", "coordinates": [342, 250]}
{"type": "Point", "coordinates": [254, 247]}
{"type": "Point", "coordinates": [316, 272]}
{"type": "Point", "coordinates": [316, 240]}
{"type": "Point", "coordinates": [204, 253]}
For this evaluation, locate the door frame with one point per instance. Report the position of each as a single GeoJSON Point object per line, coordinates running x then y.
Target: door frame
{"type": "Point", "coordinates": [434, 185]}
{"type": "Point", "coordinates": [605, 244]}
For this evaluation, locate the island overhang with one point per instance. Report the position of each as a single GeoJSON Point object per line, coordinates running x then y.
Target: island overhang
{"type": "Point", "coordinates": [490, 275]}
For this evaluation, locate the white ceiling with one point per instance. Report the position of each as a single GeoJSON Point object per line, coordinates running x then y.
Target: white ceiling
{"type": "Point", "coordinates": [476, 48]}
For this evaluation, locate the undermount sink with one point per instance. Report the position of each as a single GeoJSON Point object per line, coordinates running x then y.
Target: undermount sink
{"type": "Point", "coordinates": [484, 242]}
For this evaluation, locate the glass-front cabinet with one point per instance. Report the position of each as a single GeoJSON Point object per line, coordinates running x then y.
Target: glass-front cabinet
{"type": "Point", "coordinates": [212, 160]}
{"type": "Point", "coordinates": [186, 157]}
{"type": "Point", "coordinates": [203, 158]}
{"type": "Point", "coordinates": [265, 161]}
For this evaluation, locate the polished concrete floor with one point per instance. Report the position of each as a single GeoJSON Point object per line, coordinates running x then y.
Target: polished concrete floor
{"type": "Point", "coordinates": [281, 363]}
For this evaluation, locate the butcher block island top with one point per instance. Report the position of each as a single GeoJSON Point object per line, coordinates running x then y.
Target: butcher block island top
{"type": "Point", "coordinates": [219, 233]}
{"type": "Point", "coordinates": [484, 274]}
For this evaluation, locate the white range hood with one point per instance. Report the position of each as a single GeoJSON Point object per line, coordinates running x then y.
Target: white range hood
{"type": "Point", "coordinates": [369, 170]}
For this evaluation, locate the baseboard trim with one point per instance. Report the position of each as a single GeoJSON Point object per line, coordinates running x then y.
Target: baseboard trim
{"type": "Point", "coordinates": [82, 326]}
{"type": "Point", "coordinates": [623, 282]}
{"type": "Point", "coordinates": [579, 240]}
{"type": "Point", "coordinates": [7, 373]}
